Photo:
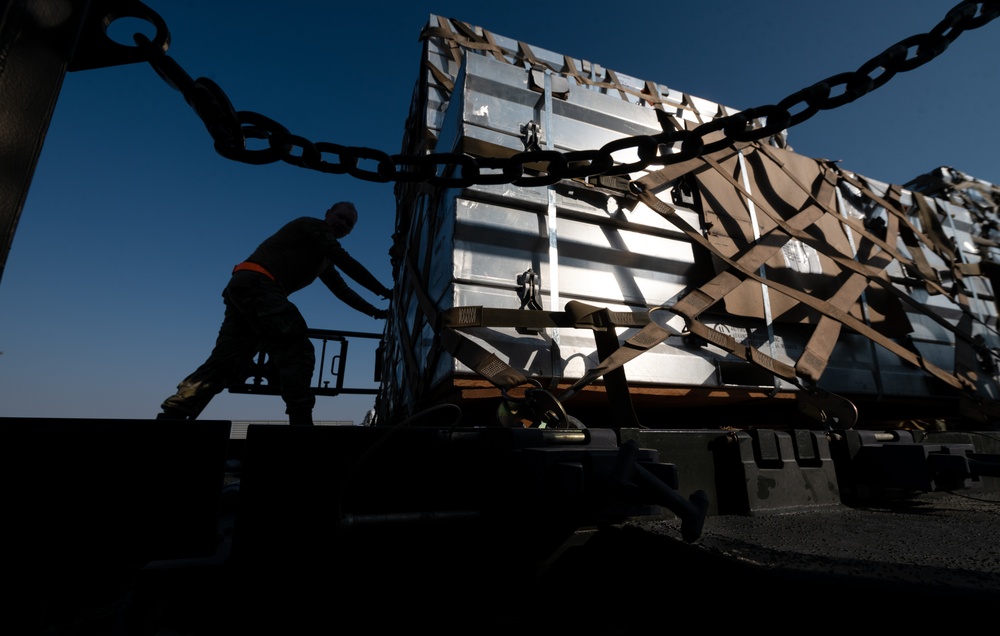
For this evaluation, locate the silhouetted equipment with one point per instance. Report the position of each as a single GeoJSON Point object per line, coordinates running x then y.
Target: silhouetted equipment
{"type": "Point", "coordinates": [262, 379]}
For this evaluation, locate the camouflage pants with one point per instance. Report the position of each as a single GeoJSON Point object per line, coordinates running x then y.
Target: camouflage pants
{"type": "Point", "coordinates": [258, 317]}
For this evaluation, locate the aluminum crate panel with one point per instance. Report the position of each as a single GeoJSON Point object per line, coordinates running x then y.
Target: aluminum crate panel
{"type": "Point", "coordinates": [602, 263]}
{"type": "Point", "coordinates": [606, 248]}
{"type": "Point", "coordinates": [493, 102]}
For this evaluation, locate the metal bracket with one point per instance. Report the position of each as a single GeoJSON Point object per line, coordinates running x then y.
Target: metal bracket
{"type": "Point", "coordinates": [96, 50]}
{"type": "Point", "coordinates": [531, 135]}
{"type": "Point", "coordinates": [530, 283]}
{"type": "Point", "coordinates": [559, 83]}
{"type": "Point", "coordinates": [833, 411]}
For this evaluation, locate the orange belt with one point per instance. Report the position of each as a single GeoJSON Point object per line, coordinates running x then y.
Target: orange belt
{"type": "Point", "coordinates": [247, 266]}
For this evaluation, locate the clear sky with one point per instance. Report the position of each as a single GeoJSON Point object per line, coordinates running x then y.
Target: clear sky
{"type": "Point", "coordinates": [133, 222]}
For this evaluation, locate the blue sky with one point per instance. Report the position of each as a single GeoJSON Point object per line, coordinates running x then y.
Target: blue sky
{"type": "Point", "coordinates": [133, 222]}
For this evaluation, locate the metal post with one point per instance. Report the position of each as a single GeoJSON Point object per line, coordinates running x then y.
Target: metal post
{"type": "Point", "coordinates": [554, 304]}
{"type": "Point", "coordinates": [37, 41]}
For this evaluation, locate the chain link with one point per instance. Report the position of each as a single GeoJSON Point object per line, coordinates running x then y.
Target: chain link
{"type": "Point", "coordinates": [230, 129]}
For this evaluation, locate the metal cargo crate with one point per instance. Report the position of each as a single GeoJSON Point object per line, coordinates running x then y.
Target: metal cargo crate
{"type": "Point", "coordinates": [776, 275]}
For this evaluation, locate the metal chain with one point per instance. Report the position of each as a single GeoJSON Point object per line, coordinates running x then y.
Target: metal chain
{"type": "Point", "coordinates": [230, 128]}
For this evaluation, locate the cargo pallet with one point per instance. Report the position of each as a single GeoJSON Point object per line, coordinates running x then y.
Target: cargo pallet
{"type": "Point", "coordinates": [694, 487]}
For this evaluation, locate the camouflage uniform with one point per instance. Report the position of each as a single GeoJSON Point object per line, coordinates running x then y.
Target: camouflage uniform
{"type": "Point", "coordinates": [259, 316]}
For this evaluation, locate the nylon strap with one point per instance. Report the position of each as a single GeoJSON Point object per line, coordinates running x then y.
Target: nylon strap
{"type": "Point", "coordinates": [761, 359]}
{"type": "Point", "coordinates": [425, 306]}
{"type": "Point", "coordinates": [467, 39]}
{"type": "Point", "coordinates": [849, 263]}
{"type": "Point", "coordinates": [569, 68]}
{"type": "Point", "coordinates": [615, 382]}
{"type": "Point", "coordinates": [912, 237]}
{"type": "Point", "coordinates": [483, 362]}
{"type": "Point", "coordinates": [816, 354]}
{"type": "Point", "coordinates": [525, 53]}
{"type": "Point", "coordinates": [965, 353]}
{"type": "Point", "coordinates": [758, 253]}
{"type": "Point", "coordinates": [602, 321]}
{"type": "Point", "coordinates": [809, 364]}
{"type": "Point", "coordinates": [957, 269]}
{"type": "Point", "coordinates": [653, 92]}
{"type": "Point", "coordinates": [931, 225]}
{"type": "Point", "coordinates": [648, 337]}
{"type": "Point", "coordinates": [440, 76]}
{"type": "Point", "coordinates": [859, 228]}
{"type": "Point", "coordinates": [800, 234]}
{"type": "Point", "coordinates": [577, 315]}
{"type": "Point", "coordinates": [486, 43]}
{"type": "Point", "coordinates": [618, 85]}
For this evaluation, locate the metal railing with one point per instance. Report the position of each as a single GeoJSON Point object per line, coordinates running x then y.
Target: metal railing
{"type": "Point", "coordinates": [262, 378]}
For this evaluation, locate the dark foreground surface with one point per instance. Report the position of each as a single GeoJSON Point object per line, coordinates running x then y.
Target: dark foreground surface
{"type": "Point", "coordinates": [317, 533]}
{"type": "Point", "coordinates": [918, 560]}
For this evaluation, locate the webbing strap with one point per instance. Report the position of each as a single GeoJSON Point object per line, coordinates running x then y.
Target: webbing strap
{"type": "Point", "coordinates": [911, 236]}
{"type": "Point", "coordinates": [423, 301]}
{"type": "Point", "coordinates": [615, 382]}
{"type": "Point", "coordinates": [444, 32]}
{"type": "Point", "coordinates": [841, 260]}
{"type": "Point", "coordinates": [819, 348]}
{"type": "Point", "coordinates": [697, 113]}
{"type": "Point", "coordinates": [969, 269]}
{"type": "Point", "coordinates": [871, 273]}
{"type": "Point", "coordinates": [648, 337]}
{"type": "Point", "coordinates": [618, 85]}
{"type": "Point", "coordinates": [781, 369]}
{"type": "Point", "coordinates": [667, 174]}
{"type": "Point", "coordinates": [569, 68]}
{"type": "Point", "coordinates": [602, 321]}
{"type": "Point", "coordinates": [756, 255]}
{"type": "Point", "coordinates": [577, 315]}
{"type": "Point", "coordinates": [441, 77]}
{"type": "Point", "coordinates": [814, 359]}
{"type": "Point", "coordinates": [933, 287]}
{"type": "Point", "coordinates": [469, 39]}
{"type": "Point", "coordinates": [859, 228]}
{"type": "Point", "coordinates": [816, 354]}
{"type": "Point", "coordinates": [740, 350]}
{"type": "Point", "coordinates": [898, 225]}
{"type": "Point", "coordinates": [483, 362]}
{"type": "Point", "coordinates": [725, 282]}
{"type": "Point", "coordinates": [426, 306]}
{"type": "Point", "coordinates": [654, 95]}
{"type": "Point", "coordinates": [477, 358]}
{"type": "Point", "coordinates": [966, 357]}
{"type": "Point", "coordinates": [525, 53]}
{"type": "Point", "coordinates": [494, 48]}
{"type": "Point", "coordinates": [931, 225]}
